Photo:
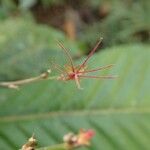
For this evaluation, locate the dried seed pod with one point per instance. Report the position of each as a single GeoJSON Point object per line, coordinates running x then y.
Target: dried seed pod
{"type": "Point", "coordinates": [30, 145]}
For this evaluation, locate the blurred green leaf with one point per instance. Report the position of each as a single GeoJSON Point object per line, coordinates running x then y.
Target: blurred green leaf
{"type": "Point", "coordinates": [118, 110]}
{"type": "Point", "coordinates": [28, 48]}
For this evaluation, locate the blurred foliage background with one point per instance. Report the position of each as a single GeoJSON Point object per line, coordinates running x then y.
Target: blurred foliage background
{"type": "Point", "coordinates": [118, 110]}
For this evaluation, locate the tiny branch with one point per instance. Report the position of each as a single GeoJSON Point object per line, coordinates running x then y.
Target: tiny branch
{"type": "Point", "coordinates": [71, 141]}
{"type": "Point", "coordinates": [17, 83]}
{"type": "Point", "coordinates": [55, 147]}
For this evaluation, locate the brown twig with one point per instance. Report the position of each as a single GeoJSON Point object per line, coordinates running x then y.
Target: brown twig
{"type": "Point", "coordinates": [17, 83]}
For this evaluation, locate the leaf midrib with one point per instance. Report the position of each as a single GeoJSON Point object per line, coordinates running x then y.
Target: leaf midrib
{"type": "Point", "coordinates": [102, 112]}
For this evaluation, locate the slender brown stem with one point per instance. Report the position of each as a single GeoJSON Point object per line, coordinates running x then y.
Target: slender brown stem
{"type": "Point", "coordinates": [54, 147]}
{"type": "Point", "coordinates": [99, 77]}
{"type": "Point", "coordinates": [17, 83]}
{"type": "Point", "coordinates": [60, 69]}
{"type": "Point", "coordinates": [91, 53]}
{"type": "Point", "coordinates": [67, 53]}
{"type": "Point", "coordinates": [97, 69]}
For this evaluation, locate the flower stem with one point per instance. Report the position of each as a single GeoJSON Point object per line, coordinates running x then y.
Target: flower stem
{"type": "Point", "coordinates": [55, 147]}
{"type": "Point", "coordinates": [17, 83]}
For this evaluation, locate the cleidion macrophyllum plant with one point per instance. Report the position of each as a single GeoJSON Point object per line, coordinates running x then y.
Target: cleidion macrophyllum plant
{"type": "Point", "coordinates": [68, 72]}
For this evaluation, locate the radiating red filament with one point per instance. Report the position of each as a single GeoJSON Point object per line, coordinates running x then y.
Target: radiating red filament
{"type": "Point", "coordinates": [71, 72]}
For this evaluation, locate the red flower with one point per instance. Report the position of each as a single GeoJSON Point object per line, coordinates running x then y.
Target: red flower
{"type": "Point", "coordinates": [83, 138]}
{"type": "Point", "coordinates": [72, 72]}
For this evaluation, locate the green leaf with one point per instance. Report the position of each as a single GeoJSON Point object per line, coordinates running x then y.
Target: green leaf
{"type": "Point", "coordinates": [28, 48]}
{"type": "Point", "coordinates": [118, 110]}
